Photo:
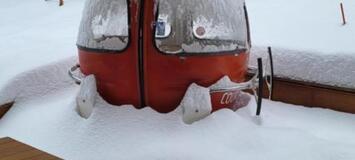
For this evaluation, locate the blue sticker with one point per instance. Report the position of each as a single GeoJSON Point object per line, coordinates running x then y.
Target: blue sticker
{"type": "Point", "coordinates": [160, 28]}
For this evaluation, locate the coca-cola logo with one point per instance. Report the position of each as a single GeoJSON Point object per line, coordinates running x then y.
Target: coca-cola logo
{"type": "Point", "coordinates": [228, 98]}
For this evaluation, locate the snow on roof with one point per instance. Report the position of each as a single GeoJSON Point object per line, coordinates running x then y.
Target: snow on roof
{"type": "Point", "coordinates": [303, 25]}
{"type": "Point", "coordinates": [308, 40]}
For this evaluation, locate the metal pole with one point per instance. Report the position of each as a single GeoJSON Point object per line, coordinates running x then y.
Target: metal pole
{"type": "Point", "coordinates": [342, 13]}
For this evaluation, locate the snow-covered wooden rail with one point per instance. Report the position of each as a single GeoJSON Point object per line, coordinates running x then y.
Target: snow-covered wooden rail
{"type": "Point", "coordinates": [313, 95]}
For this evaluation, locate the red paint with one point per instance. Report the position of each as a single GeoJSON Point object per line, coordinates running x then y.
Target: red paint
{"type": "Point", "coordinates": [116, 74]}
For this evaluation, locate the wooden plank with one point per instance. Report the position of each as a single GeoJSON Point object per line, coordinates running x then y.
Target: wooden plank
{"type": "Point", "coordinates": [13, 150]}
{"type": "Point", "coordinates": [4, 108]}
{"type": "Point", "coordinates": [5, 140]}
{"type": "Point", "coordinates": [313, 95]}
{"type": "Point", "coordinates": [43, 157]}
{"type": "Point", "coordinates": [11, 144]}
{"type": "Point", "coordinates": [22, 155]}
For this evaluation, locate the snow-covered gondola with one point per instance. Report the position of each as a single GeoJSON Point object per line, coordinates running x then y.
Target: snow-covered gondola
{"type": "Point", "coordinates": [148, 53]}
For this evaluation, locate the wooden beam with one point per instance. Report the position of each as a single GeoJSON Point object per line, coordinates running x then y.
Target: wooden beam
{"type": "Point", "coordinates": [313, 95]}
{"type": "Point", "coordinates": [4, 108]}
{"type": "Point", "coordinates": [12, 149]}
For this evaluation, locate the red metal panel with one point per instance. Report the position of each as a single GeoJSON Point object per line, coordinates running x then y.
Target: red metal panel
{"type": "Point", "coordinates": [167, 76]}
{"type": "Point", "coordinates": [116, 74]}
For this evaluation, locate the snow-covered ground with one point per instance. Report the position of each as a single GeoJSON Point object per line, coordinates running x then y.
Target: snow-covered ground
{"type": "Point", "coordinates": [308, 38]}
{"type": "Point", "coordinates": [283, 132]}
{"type": "Point", "coordinates": [37, 44]}
{"type": "Point", "coordinates": [36, 32]}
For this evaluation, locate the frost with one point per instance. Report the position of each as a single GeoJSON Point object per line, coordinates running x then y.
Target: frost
{"type": "Point", "coordinates": [213, 31]}
{"type": "Point", "coordinates": [197, 47]}
{"type": "Point", "coordinates": [109, 26]}
{"type": "Point", "coordinates": [104, 25]}
{"type": "Point", "coordinates": [203, 26]}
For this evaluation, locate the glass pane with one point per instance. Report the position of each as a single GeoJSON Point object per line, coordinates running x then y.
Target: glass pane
{"type": "Point", "coordinates": [104, 25]}
{"type": "Point", "coordinates": [201, 26]}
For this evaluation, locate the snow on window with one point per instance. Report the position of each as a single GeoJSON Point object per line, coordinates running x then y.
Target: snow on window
{"type": "Point", "coordinates": [200, 26]}
{"type": "Point", "coordinates": [104, 25]}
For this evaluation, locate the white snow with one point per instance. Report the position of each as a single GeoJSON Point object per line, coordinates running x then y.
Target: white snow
{"type": "Point", "coordinates": [42, 34]}
{"type": "Point", "coordinates": [224, 82]}
{"type": "Point", "coordinates": [85, 100]}
{"type": "Point", "coordinates": [36, 32]}
{"type": "Point", "coordinates": [123, 132]}
{"type": "Point", "coordinates": [303, 25]}
{"type": "Point", "coordinates": [38, 82]}
{"type": "Point", "coordinates": [196, 104]}
{"type": "Point", "coordinates": [308, 39]}
{"type": "Point", "coordinates": [330, 69]}
{"type": "Point", "coordinates": [197, 47]}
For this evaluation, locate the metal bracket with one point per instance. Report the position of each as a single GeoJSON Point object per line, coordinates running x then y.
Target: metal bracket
{"type": "Point", "coordinates": [72, 75]}
{"type": "Point", "coordinates": [256, 83]}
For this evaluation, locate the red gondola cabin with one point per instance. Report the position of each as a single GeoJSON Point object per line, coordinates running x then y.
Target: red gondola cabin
{"type": "Point", "coordinates": [148, 52]}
